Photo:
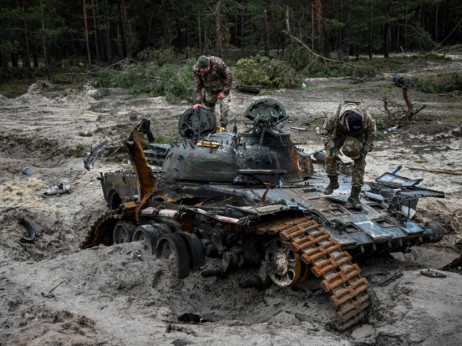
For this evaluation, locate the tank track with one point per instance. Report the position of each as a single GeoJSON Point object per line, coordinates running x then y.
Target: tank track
{"type": "Point", "coordinates": [340, 277]}
{"type": "Point", "coordinates": [97, 233]}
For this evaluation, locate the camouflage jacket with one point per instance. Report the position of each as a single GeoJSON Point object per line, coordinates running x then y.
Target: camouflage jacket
{"type": "Point", "coordinates": [334, 127]}
{"type": "Point", "coordinates": [218, 79]}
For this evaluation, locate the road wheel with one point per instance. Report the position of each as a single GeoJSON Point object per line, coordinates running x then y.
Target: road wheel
{"type": "Point", "coordinates": [172, 246]}
{"type": "Point", "coordinates": [147, 235]}
{"type": "Point", "coordinates": [283, 264]}
{"type": "Point", "coordinates": [196, 250]}
{"type": "Point", "coordinates": [123, 232]}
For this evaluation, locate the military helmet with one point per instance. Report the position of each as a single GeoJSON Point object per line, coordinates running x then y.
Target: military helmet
{"type": "Point", "coordinates": [355, 124]}
{"type": "Point", "coordinates": [203, 61]}
{"type": "Point", "coordinates": [351, 147]}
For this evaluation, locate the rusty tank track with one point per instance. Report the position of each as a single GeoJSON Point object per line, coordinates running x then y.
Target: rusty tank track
{"type": "Point", "coordinates": [98, 231]}
{"type": "Point", "coordinates": [341, 278]}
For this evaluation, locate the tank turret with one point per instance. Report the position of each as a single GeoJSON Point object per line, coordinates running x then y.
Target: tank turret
{"type": "Point", "coordinates": [263, 153]}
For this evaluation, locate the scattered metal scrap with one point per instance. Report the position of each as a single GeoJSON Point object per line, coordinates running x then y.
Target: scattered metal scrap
{"type": "Point", "coordinates": [30, 231]}
{"type": "Point", "coordinates": [434, 170]}
{"type": "Point", "coordinates": [389, 280]}
{"type": "Point", "coordinates": [194, 318]}
{"type": "Point", "coordinates": [432, 274]}
{"type": "Point", "coordinates": [454, 264]}
{"type": "Point", "coordinates": [49, 294]}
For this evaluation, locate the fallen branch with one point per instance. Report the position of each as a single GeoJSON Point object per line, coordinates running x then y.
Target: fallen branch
{"type": "Point", "coordinates": [317, 55]}
{"type": "Point", "coordinates": [454, 92]}
{"type": "Point", "coordinates": [434, 170]}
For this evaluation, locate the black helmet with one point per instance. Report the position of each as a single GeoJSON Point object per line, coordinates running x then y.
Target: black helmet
{"type": "Point", "coordinates": [355, 124]}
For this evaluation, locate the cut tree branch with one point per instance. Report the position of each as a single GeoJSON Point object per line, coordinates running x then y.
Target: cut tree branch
{"type": "Point", "coordinates": [317, 55]}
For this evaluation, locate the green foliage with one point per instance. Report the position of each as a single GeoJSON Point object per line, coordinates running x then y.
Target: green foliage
{"type": "Point", "coordinates": [380, 123]}
{"type": "Point", "coordinates": [172, 81]}
{"type": "Point", "coordinates": [15, 87]}
{"type": "Point", "coordinates": [356, 70]}
{"type": "Point", "coordinates": [160, 57]}
{"type": "Point", "coordinates": [267, 73]}
{"type": "Point", "coordinates": [68, 78]}
{"type": "Point", "coordinates": [441, 83]}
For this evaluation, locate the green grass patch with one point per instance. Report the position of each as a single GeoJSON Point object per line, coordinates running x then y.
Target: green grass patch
{"type": "Point", "coordinates": [15, 87]}
{"type": "Point", "coordinates": [440, 83]}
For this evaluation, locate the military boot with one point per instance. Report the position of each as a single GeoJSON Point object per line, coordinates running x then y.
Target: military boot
{"type": "Point", "coordinates": [332, 185]}
{"type": "Point", "coordinates": [354, 197]}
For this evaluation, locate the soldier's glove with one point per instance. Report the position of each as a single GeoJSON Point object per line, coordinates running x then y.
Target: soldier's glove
{"type": "Point", "coordinates": [362, 154]}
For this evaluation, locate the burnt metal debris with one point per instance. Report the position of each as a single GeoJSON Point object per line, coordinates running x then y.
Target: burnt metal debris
{"type": "Point", "coordinates": [30, 231]}
{"type": "Point", "coordinates": [253, 199]}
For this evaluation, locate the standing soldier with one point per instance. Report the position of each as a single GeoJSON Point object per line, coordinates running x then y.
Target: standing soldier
{"type": "Point", "coordinates": [212, 75]}
{"type": "Point", "coordinates": [353, 131]}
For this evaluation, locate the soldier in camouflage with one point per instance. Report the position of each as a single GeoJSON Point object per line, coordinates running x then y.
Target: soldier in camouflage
{"type": "Point", "coordinates": [213, 76]}
{"type": "Point", "coordinates": [352, 130]}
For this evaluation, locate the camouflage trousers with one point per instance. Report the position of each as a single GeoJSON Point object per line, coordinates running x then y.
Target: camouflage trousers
{"type": "Point", "coordinates": [210, 100]}
{"type": "Point", "coordinates": [359, 167]}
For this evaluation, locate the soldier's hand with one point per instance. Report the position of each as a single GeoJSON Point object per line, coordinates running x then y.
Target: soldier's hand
{"type": "Point", "coordinates": [221, 96]}
{"type": "Point", "coordinates": [197, 105]}
{"type": "Point", "coordinates": [333, 151]}
{"type": "Point", "coordinates": [362, 154]}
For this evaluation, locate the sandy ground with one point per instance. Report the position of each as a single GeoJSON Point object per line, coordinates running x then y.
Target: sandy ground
{"type": "Point", "coordinates": [53, 293]}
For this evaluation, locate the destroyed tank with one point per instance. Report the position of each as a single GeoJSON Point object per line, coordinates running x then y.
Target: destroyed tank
{"type": "Point", "coordinates": [253, 199]}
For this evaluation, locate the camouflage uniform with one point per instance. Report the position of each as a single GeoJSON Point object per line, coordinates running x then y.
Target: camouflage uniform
{"type": "Point", "coordinates": [218, 79]}
{"type": "Point", "coordinates": [335, 133]}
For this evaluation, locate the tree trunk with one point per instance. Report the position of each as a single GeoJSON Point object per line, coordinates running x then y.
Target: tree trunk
{"type": "Point", "coordinates": [206, 43]}
{"type": "Point", "coordinates": [318, 9]}
{"type": "Point", "coordinates": [44, 40]}
{"type": "Point", "coordinates": [14, 60]}
{"type": "Point", "coordinates": [93, 6]}
{"type": "Point", "coordinates": [200, 32]}
{"type": "Point", "coordinates": [386, 40]}
{"type": "Point", "coordinates": [35, 56]}
{"type": "Point", "coordinates": [312, 27]}
{"type": "Point", "coordinates": [108, 32]}
{"type": "Point", "coordinates": [123, 24]}
{"type": "Point", "coordinates": [235, 40]}
{"type": "Point", "coordinates": [242, 30]}
{"type": "Point", "coordinates": [25, 42]}
{"type": "Point", "coordinates": [340, 42]}
{"type": "Point", "coordinates": [347, 45]}
{"type": "Point", "coordinates": [4, 67]}
{"type": "Point", "coordinates": [387, 32]}
{"type": "Point", "coordinates": [218, 29]}
{"type": "Point", "coordinates": [165, 24]}
{"type": "Point", "coordinates": [87, 42]}
{"type": "Point", "coordinates": [371, 29]}
{"type": "Point", "coordinates": [265, 19]}
{"type": "Point", "coordinates": [180, 42]}
{"type": "Point", "coordinates": [436, 21]}
{"type": "Point", "coordinates": [405, 27]}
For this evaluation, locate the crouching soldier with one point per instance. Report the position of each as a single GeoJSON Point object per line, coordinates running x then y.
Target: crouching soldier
{"type": "Point", "coordinates": [353, 131]}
